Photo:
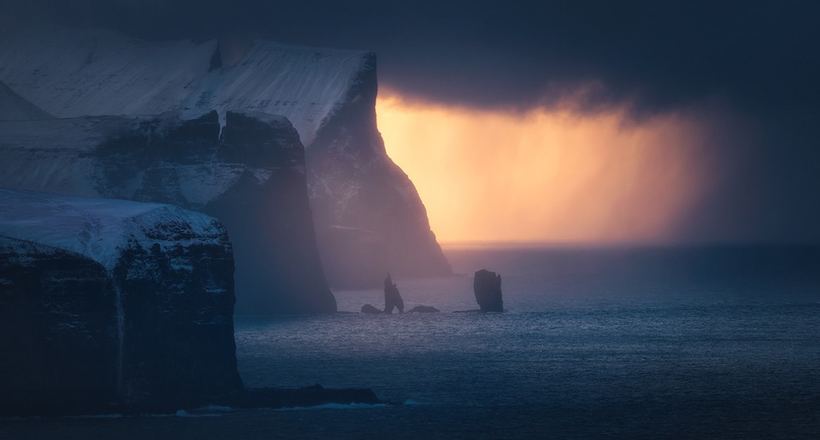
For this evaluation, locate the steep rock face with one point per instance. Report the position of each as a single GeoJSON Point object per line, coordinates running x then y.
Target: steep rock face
{"type": "Point", "coordinates": [58, 323]}
{"type": "Point", "coordinates": [365, 206]}
{"type": "Point", "coordinates": [369, 218]}
{"type": "Point", "coordinates": [108, 304]}
{"type": "Point", "coordinates": [251, 177]}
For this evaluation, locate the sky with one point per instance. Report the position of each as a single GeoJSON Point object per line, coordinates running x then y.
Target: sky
{"type": "Point", "coordinates": [581, 120]}
{"type": "Point", "coordinates": [554, 176]}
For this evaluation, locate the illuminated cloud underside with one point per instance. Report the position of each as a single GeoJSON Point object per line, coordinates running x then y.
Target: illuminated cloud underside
{"type": "Point", "coordinates": [546, 176]}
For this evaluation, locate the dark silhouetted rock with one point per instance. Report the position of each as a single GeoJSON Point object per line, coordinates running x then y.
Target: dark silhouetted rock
{"type": "Point", "coordinates": [249, 174]}
{"type": "Point", "coordinates": [368, 308]}
{"type": "Point", "coordinates": [112, 304]}
{"type": "Point", "coordinates": [392, 297]}
{"type": "Point", "coordinates": [299, 397]}
{"type": "Point", "coordinates": [487, 288]}
{"type": "Point", "coordinates": [423, 309]}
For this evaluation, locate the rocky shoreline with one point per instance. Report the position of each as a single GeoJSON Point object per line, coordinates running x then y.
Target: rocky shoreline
{"type": "Point", "coordinates": [251, 398]}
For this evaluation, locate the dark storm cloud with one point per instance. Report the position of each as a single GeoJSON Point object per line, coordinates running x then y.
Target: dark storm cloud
{"type": "Point", "coordinates": [760, 60]}
{"type": "Point", "coordinates": [513, 53]}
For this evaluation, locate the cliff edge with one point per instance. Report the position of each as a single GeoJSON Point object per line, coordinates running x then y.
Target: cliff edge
{"type": "Point", "coordinates": [368, 216]}
{"type": "Point", "coordinates": [112, 303]}
{"type": "Point", "coordinates": [249, 173]}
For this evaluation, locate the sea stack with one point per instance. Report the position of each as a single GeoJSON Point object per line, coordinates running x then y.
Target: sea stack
{"type": "Point", "coordinates": [392, 297]}
{"type": "Point", "coordinates": [110, 304]}
{"type": "Point", "coordinates": [487, 288]}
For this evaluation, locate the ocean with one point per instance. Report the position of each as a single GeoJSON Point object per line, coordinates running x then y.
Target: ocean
{"type": "Point", "coordinates": [617, 342]}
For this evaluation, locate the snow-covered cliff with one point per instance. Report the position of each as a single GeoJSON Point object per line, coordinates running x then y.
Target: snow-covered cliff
{"type": "Point", "coordinates": [368, 216]}
{"type": "Point", "coordinates": [111, 303]}
{"type": "Point", "coordinates": [248, 173]}
{"type": "Point", "coordinates": [15, 108]}
{"type": "Point", "coordinates": [69, 72]}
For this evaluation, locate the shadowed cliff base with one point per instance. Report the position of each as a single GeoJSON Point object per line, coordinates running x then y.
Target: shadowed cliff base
{"type": "Point", "coordinates": [112, 302]}
{"type": "Point", "coordinates": [249, 398]}
{"type": "Point", "coordinates": [115, 306]}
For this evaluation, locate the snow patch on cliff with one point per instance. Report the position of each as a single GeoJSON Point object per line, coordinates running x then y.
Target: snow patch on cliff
{"type": "Point", "coordinates": [15, 108]}
{"type": "Point", "coordinates": [59, 156]}
{"type": "Point", "coordinates": [101, 228]}
{"type": "Point", "coordinates": [70, 72]}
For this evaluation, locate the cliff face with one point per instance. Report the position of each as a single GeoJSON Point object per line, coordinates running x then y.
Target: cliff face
{"type": "Point", "coordinates": [368, 216]}
{"type": "Point", "coordinates": [58, 318]}
{"type": "Point", "coordinates": [106, 304]}
{"type": "Point", "coordinates": [250, 176]}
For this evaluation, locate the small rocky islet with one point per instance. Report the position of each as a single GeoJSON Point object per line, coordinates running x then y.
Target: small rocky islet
{"type": "Point", "coordinates": [486, 287]}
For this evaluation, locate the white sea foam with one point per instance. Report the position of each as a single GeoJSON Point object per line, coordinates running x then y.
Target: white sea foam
{"type": "Point", "coordinates": [335, 406]}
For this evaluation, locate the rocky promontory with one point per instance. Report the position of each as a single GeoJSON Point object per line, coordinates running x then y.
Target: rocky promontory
{"type": "Point", "coordinates": [108, 304]}
{"type": "Point", "coordinates": [113, 306]}
{"type": "Point", "coordinates": [248, 172]}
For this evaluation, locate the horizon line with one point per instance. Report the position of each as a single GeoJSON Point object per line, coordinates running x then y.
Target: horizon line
{"type": "Point", "coordinates": [622, 244]}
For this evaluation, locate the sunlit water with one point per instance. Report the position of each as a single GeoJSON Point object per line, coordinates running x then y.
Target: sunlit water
{"type": "Point", "coordinates": [649, 343]}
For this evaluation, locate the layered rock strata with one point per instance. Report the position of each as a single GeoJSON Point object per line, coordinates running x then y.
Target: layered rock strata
{"type": "Point", "coordinates": [107, 304]}
{"type": "Point", "coordinates": [248, 172]}
{"type": "Point", "coordinates": [369, 218]}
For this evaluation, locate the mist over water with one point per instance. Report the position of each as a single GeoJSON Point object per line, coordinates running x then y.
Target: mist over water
{"type": "Point", "coordinates": [541, 279]}
{"type": "Point", "coordinates": [616, 342]}
{"type": "Point", "coordinates": [632, 341]}
{"type": "Point", "coordinates": [613, 124]}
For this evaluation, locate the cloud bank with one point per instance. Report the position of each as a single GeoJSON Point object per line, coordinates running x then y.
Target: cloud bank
{"type": "Point", "coordinates": [747, 70]}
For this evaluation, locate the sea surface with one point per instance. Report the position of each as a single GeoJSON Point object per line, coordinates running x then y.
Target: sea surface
{"type": "Point", "coordinates": [699, 342]}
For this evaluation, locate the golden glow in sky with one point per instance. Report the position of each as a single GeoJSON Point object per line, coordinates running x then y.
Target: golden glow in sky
{"type": "Point", "coordinates": [545, 176]}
